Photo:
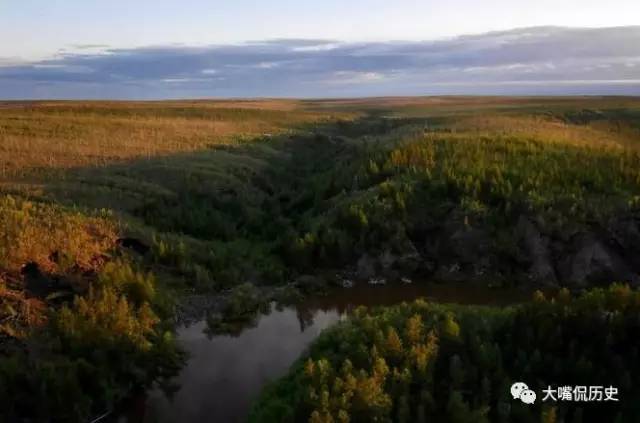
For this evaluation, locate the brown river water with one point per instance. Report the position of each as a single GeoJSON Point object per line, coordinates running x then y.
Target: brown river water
{"type": "Point", "coordinates": [225, 374]}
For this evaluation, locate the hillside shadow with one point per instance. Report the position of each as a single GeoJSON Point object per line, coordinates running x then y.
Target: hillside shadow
{"type": "Point", "coordinates": [212, 217]}
{"type": "Point", "coordinates": [221, 171]}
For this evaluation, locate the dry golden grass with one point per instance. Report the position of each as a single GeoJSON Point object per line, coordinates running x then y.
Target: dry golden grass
{"type": "Point", "coordinates": [467, 104]}
{"type": "Point", "coordinates": [61, 135]}
{"type": "Point", "coordinates": [550, 129]}
{"type": "Point", "coordinates": [56, 135]}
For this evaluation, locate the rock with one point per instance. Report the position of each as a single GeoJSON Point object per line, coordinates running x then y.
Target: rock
{"type": "Point", "coordinates": [36, 283]}
{"type": "Point", "coordinates": [31, 269]}
{"type": "Point", "coordinates": [451, 272]}
{"type": "Point", "coordinates": [410, 261]}
{"type": "Point", "coordinates": [589, 261]}
{"type": "Point", "coordinates": [347, 283]}
{"type": "Point", "coordinates": [541, 269]}
{"type": "Point", "coordinates": [391, 274]}
{"type": "Point", "coordinates": [387, 259]}
{"type": "Point", "coordinates": [468, 245]}
{"type": "Point", "coordinates": [377, 281]}
{"type": "Point", "coordinates": [365, 268]}
{"type": "Point", "coordinates": [455, 252]}
{"type": "Point", "coordinates": [134, 244]}
{"type": "Point", "coordinates": [624, 232]}
{"type": "Point", "coordinates": [425, 267]}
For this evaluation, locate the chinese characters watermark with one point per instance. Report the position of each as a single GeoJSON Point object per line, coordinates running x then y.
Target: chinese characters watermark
{"type": "Point", "coordinates": [521, 391]}
{"type": "Point", "coordinates": [580, 393]}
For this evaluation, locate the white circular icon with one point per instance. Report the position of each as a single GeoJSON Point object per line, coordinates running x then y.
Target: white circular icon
{"type": "Point", "coordinates": [521, 391]}
{"type": "Point", "coordinates": [528, 396]}
{"type": "Point", "coordinates": [517, 388]}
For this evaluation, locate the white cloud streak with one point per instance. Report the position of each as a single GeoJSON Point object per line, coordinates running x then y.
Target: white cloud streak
{"type": "Point", "coordinates": [543, 60]}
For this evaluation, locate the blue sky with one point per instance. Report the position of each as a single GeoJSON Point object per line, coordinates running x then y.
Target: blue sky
{"type": "Point", "coordinates": [198, 48]}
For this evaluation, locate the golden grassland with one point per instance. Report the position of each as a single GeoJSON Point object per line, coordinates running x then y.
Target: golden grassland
{"type": "Point", "coordinates": [71, 172]}
{"type": "Point", "coordinates": [46, 135]}
{"type": "Point", "coordinates": [546, 128]}
{"type": "Point", "coordinates": [63, 135]}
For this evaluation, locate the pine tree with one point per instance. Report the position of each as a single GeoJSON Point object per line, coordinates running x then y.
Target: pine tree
{"type": "Point", "coordinates": [458, 410]}
{"type": "Point", "coordinates": [414, 329]}
{"type": "Point", "coordinates": [393, 344]}
{"type": "Point", "coordinates": [450, 328]}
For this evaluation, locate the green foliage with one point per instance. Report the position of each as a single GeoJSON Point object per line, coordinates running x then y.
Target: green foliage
{"type": "Point", "coordinates": [106, 318]}
{"type": "Point", "coordinates": [240, 310]}
{"type": "Point", "coordinates": [138, 287]}
{"type": "Point", "coordinates": [91, 354]}
{"type": "Point", "coordinates": [456, 363]}
{"type": "Point", "coordinates": [382, 186]}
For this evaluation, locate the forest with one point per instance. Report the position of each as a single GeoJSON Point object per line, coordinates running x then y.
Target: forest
{"type": "Point", "coordinates": [121, 221]}
{"type": "Point", "coordinates": [419, 362]}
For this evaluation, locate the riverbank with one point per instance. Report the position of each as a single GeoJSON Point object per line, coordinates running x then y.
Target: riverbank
{"type": "Point", "coordinates": [226, 373]}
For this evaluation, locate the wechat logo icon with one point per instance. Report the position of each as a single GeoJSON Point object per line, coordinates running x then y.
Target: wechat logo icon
{"type": "Point", "coordinates": [521, 391]}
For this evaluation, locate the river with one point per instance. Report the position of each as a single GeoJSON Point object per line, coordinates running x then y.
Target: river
{"type": "Point", "coordinates": [225, 374]}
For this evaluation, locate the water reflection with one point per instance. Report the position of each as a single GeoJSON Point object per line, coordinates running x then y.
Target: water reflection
{"type": "Point", "coordinates": [225, 374]}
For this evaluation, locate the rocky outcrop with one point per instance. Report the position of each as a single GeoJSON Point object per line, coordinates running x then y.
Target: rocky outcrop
{"type": "Point", "coordinates": [589, 261]}
{"type": "Point", "coordinates": [468, 245]}
{"type": "Point", "coordinates": [599, 254]}
{"type": "Point", "coordinates": [624, 234]}
{"type": "Point", "coordinates": [366, 267]}
{"type": "Point", "coordinates": [134, 245]}
{"type": "Point", "coordinates": [37, 284]}
{"type": "Point", "coordinates": [537, 254]}
{"type": "Point", "coordinates": [529, 252]}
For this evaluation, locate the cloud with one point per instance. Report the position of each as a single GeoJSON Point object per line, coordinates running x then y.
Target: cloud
{"type": "Point", "coordinates": [541, 60]}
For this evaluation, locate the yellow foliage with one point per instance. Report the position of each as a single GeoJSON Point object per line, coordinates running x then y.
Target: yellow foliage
{"type": "Point", "coordinates": [106, 316]}
{"type": "Point", "coordinates": [393, 344]}
{"type": "Point", "coordinates": [32, 231]}
{"type": "Point", "coordinates": [414, 329]}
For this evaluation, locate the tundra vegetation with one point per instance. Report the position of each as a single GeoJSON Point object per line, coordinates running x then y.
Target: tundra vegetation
{"type": "Point", "coordinates": [119, 219]}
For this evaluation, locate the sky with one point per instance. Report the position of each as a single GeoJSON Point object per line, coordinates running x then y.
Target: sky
{"type": "Point", "coordinates": [283, 48]}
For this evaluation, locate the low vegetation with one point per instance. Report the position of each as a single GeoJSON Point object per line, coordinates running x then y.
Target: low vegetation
{"type": "Point", "coordinates": [116, 218]}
